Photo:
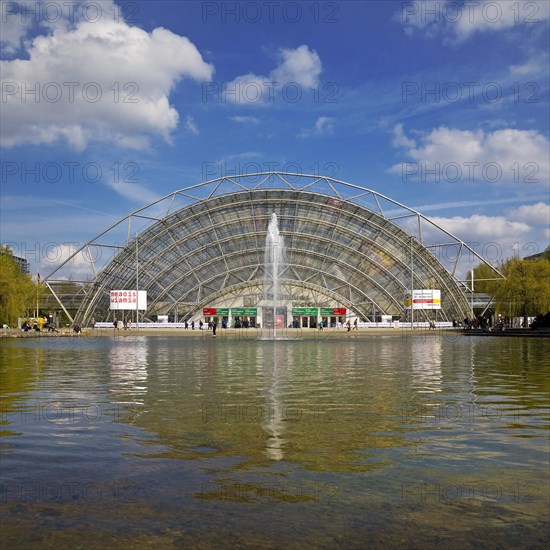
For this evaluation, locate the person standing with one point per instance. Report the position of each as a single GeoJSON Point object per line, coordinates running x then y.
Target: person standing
{"type": "Point", "coordinates": [214, 327]}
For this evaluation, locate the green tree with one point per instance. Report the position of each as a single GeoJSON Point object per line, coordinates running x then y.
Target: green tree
{"type": "Point", "coordinates": [524, 292]}
{"type": "Point", "coordinates": [17, 290]}
{"type": "Point", "coordinates": [486, 280]}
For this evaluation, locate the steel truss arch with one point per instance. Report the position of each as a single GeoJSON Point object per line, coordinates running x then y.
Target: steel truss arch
{"type": "Point", "coordinates": [205, 241]}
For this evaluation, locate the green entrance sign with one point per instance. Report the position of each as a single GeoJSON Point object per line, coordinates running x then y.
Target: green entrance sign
{"type": "Point", "coordinates": [305, 311]}
{"type": "Point", "coordinates": [212, 311]}
{"type": "Point", "coordinates": [333, 311]}
{"type": "Point", "coordinates": [239, 311]}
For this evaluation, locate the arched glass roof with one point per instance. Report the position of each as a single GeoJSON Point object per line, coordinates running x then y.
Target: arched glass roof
{"type": "Point", "coordinates": [345, 245]}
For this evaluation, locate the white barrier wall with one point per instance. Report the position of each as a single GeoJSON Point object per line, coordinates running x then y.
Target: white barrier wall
{"type": "Point", "coordinates": [105, 325]}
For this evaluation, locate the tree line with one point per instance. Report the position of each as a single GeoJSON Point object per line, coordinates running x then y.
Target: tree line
{"type": "Point", "coordinates": [525, 291]}
{"type": "Point", "coordinates": [18, 292]}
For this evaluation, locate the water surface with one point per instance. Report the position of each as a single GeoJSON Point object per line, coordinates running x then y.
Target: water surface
{"type": "Point", "coordinates": [412, 442]}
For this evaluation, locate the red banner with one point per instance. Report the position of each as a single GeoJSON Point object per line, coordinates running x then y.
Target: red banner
{"type": "Point", "coordinates": [339, 311]}
{"type": "Point", "coordinates": [208, 311]}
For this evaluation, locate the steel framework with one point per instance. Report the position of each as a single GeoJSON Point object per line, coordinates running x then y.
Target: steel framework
{"type": "Point", "coordinates": [345, 244]}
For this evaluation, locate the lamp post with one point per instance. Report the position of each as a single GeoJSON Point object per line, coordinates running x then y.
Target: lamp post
{"type": "Point", "coordinates": [37, 291]}
{"type": "Point", "coordinates": [137, 285]}
{"type": "Point", "coordinates": [412, 284]}
{"type": "Point", "coordinates": [472, 293]}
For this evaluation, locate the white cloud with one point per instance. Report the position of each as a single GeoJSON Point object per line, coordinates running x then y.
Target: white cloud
{"type": "Point", "coordinates": [507, 155]}
{"type": "Point", "coordinates": [19, 17]}
{"type": "Point", "coordinates": [300, 67]}
{"type": "Point", "coordinates": [531, 66]}
{"type": "Point", "coordinates": [457, 22]}
{"type": "Point", "coordinates": [13, 28]}
{"type": "Point", "coordinates": [497, 15]}
{"type": "Point", "coordinates": [245, 119]}
{"type": "Point", "coordinates": [99, 81]}
{"type": "Point", "coordinates": [535, 214]}
{"type": "Point", "coordinates": [536, 64]}
{"type": "Point", "coordinates": [79, 265]}
{"type": "Point", "coordinates": [323, 126]}
{"type": "Point", "coordinates": [132, 191]}
{"type": "Point", "coordinates": [190, 125]}
{"type": "Point", "coordinates": [482, 227]}
{"type": "Point", "coordinates": [431, 207]}
{"type": "Point", "coordinates": [231, 161]}
{"type": "Point", "coordinates": [495, 238]}
{"type": "Point", "coordinates": [248, 155]}
{"type": "Point", "coordinates": [400, 139]}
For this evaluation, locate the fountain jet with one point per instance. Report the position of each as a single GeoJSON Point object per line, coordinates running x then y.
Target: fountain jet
{"type": "Point", "coordinates": [273, 262]}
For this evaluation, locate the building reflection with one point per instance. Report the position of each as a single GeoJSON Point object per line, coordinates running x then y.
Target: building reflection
{"type": "Point", "coordinates": [128, 361]}
{"type": "Point", "coordinates": [426, 364]}
{"type": "Point", "coordinates": [274, 359]}
{"type": "Point", "coordinates": [253, 403]}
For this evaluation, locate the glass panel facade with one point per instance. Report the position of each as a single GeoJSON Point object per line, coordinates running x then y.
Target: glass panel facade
{"type": "Point", "coordinates": [331, 243]}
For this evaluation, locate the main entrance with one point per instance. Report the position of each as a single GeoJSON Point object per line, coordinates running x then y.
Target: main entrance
{"type": "Point", "coordinates": [280, 317]}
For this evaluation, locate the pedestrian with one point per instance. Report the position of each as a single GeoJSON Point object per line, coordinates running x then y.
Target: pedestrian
{"type": "Point", "coordinates": [192, 325]}
{"type": "Point", "coordinates": [349, 325]}
{"type": "Point", "coordinates": [115, 324]}
{"type": "Point", "coordinates": [355, 324]}
{"type": "Point", "coordinates": [214, 327]}
{"type": "Point", "coordinates": [200, 324]}
{"type": "Point", "coordinates": [93, 323]}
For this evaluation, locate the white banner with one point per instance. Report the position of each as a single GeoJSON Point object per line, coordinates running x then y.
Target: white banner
{"type": "Point", "coordinates": [126, 299]}
{"type": "Point", "coordinates": [423, 299]}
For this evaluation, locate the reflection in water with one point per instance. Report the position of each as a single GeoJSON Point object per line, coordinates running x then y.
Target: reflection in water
{"type": "Point", "coordinates": [274, 360]}
{"type": "Point", "coordinates": [472, 380]}
{"type": "Point", "coordinates": [426, 364]}
{"type": "Point", "coordinates": [128, 367]}
{"type": "Point", "coordinates": [252, 442]}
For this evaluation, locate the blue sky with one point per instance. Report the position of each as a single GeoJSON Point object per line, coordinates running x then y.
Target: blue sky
{"type": "Point", "coordinates": [440, 105]}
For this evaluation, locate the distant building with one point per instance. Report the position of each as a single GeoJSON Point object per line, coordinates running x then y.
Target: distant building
{"type": "Point", "coordinates": [23, 263]}
{"type": "Point", "coordinates": [538, 256]}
